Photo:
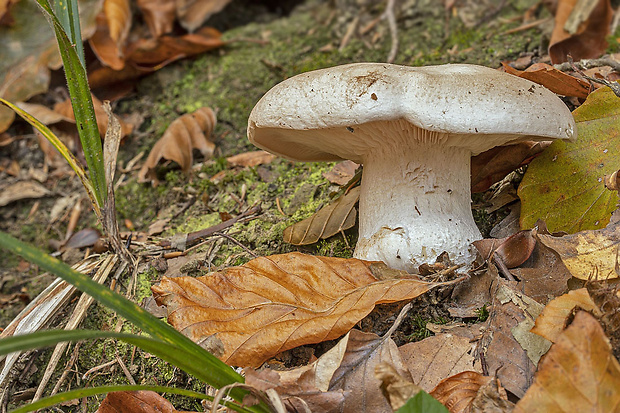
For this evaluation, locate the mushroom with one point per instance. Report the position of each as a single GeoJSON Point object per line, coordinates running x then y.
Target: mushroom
{"type": "Point", "coordinates": [414, 129]}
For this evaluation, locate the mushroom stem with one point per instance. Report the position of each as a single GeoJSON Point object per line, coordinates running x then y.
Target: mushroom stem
{"type": "Point", "coordinates": [415, 203]}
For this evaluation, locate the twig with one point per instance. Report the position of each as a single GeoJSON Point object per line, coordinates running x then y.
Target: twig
{"type": "Point", "coordinates": [99, 367]}
{"type": "Point", "coordinates": [589, 64]}
{"type": "Point", "coordinates": [125, 370]}
{"type": "Point", "coordinates": [234, 241]}
{"type": "Point", "coordinates": [389, 15]}
{"type": "Point", "coordinates": [65, 373]}
{"type": "Point", "coordinates": [614, 86]}
{"type": "Point", "coordinates": [501, 266]}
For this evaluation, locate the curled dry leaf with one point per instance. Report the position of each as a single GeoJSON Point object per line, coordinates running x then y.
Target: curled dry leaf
{"type": "Point", "coordinates": [588, 255]}
{"type": "Point", "coordinates": [553, 79]}
{"type": "Point", "coordinates": [278, 303]}
{"type": "Point", "coordinates": [459, 391]}
{"type": "Point", "coordinates": [192, 13]}
{"type": "Point", "coordinates": [493, 165]}
{"type": "Point", "coordinates": [159, 15]}
{"type": "Point", "coordinates": [22, 190]}
{"type": "Point", "coordinates": [491, 397]}
{"type": "Point", "coordinates": [580, 30]}
{"type": "Point", "coordinates": [251, 159]}
{"type": "Point", "coordinates": [396, 388]}
{"type": "Point", "coordinates": [513, 251]}
{"type": "Point", "coordinates": [118, 16]}
{"type": "Point", "coordinates": [341, 173]}
{"type": "Point", "coordinates": [142, 401]}
{"type": "Point", "coordinates": [190, 131]}
{"type": "Point", "coordinates": [328, 221]}
{"type": "Point", "coordinates": [578, 374]}
{"type": "Point", "coordinates": [552, 321]}
{"type": "Point", "coordinates": [108, 52]}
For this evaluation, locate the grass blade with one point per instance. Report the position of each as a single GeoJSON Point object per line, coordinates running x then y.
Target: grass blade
{"type": "Point", "coordinates": [64, 151]}
{"type": "Point", "coordinates": [82, 103]}
{"type": "Point", "coordinates": [215, 372]}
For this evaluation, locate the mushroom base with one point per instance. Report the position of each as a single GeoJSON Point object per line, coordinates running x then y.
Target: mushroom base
{"type": "Point", "coordinates": [415, 203]}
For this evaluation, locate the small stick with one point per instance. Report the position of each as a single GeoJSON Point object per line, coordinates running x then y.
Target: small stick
{"type": "Point", "coordinates": [389, 15]}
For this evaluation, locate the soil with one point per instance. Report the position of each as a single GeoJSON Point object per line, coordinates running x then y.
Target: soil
{"type": "Point", "coordinates": [269, 41]}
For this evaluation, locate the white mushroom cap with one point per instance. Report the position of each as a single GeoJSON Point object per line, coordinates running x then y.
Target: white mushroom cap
{"type": "Point", "coordinates": [406, 124]}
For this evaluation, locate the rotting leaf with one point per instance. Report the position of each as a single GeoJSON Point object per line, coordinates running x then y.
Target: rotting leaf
{"type": "Point", "coordinates": [251, 159]}
{"type": "Point", "coordinates": [279, 302]}
{"type": "Point", "coordinates": [459, 391]}
{"type": "Point", "coordinates": [491, 397]}
{"type": "Point", "coordinates": [513, 251]}
{"type": "Point", "coordinates": [493, 165]}
{"type": "Point", "coordinates": [580, 30]}
{"type": "Point", "coordinates": [22, 190]}
{"type": "Point", "coordinates": [190, 131]}
{"type": "Point", "coordinates": [578, 374]}
{"type": "Point", "coordinates": [588, 255]}
{"type": "Point", "coordinates": [553, 79]}
{"type": "Point", "coordinates": [142, 401]}
{"type": "Point", "coordinates": [336, 217]}
{"type": "Point", "coordinates": [565, 186]}
{"type": "Point", "coordinates": [396, 388]}
{"type": "Point", "coordinates": [552, 321]}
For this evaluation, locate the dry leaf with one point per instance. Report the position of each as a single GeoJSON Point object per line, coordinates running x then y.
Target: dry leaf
{"type": "Point", "coordinates": [159, 15]}
{"type": "Point", "coordinates": [251, 159]}
{"type": "Point", "coordinates": [395, 387]}
{"type": "Point", "coordinates": [341, 173]}
{"type": "Point", "coordinates": [590, 254]}
{"type": "Point", "coordinates": [553, 79]}
{"type": "Point", "coordinates": [578, 374]}
{"type": "Point", "coordinates": [118, 16]}
{"type": "Point", "coordinates": [580, 32]}
{"type": "Point", "coordinates": [22, 190]}
{"type": "Point", "coordinates": [491, 397]}
{"type": "Point", "coordinates": [108, 52]}
{"type": "Point", "coordinates": [192, 13]}
{"type": "Point", "coordinates": [328, 221]}
{"type": "Point", "coordinates": [493, 165]}
{"type": "Point", "coordinates": [278, 303]}
{"type": "Point", "coordinates": [513, 251]}
{"type": "Point", "coordinates": [552, 321]}
{"type": "Point", "coordinates": [141, 401]}
{"type": "Point", "coordinates": [459, 391]}
{"type": "Point", "coordinates": [437, 357]}
{"type": "Point", "coordinates": [190, 131]}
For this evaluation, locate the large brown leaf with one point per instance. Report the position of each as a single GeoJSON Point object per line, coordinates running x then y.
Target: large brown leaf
{"type": "Point", "coordinates": [328, 221]}
{"type": "Point", "coordinates": [141, 401]}
{"type": "Point", "coordinates": [578, 374]}
{"type": "Point", "coordinates": [459, 391]}
{"type": "Point", "coordinates": [118, 15]}
{"type": "Point", "coordinates": [250, 313]}
{"type": "Point", "coordinates": [159, 15]}
{"type": "Point", "coordinates": [553, 79]}
{"type": "Point", "coordinates": [190, 131]}
{"type": "Point", "coordinates": [192, 13]}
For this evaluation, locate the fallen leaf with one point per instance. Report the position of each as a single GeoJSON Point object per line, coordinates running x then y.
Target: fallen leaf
{"type": "Point", "coordinates": [142, 401]}
{"type": "Point", "coordinates": [512, 251]}
{"type": "Point", "coordinates": [578, 374]}
{"type": "Point", "coordinates": [159, 15]}
{"type": "Point", "coordinates": [22, 190]}
{"type": "Point", "coordinates": [491, 397]}
{"type": "Point", "coordinates": [108, 52]}
{"type": "Point", "coordinates": [565, 186]}
{"type": "Point", "coordinates": [193, 13]}
{"type": "Point", "coordinates": [606, 296]}
{"type": "Point", "coordinates": [341, 173]}
{"type": "Point", "coordinates": [459, 391]}
{"type": "Point", "coordinates": [580, 30]}
{"type": "Point", "coordinates": [552, 321]}
{"type": "Point", "coordinates": [44, 114]}
{"type": "Point", "coordinates": [553, 79]}
{"type": "Point", "coordinates": [251, 159]}
{"type": "Point", "coordinates": [278, 303]}
{"type": "Point", "coordinates": [493, 165]}
{"type": "Point", "coordinates": [437, 357]}
{"type": "Point", "coordinates": [336, 217]}
{"type": "Point", "coordinates": [118, 15]}
{"type": "Point", "coordinates": [588, 255]}
{"type": "Point", "coordinates": [396, 389]}
{"type": "Point", "coordinates": [86, 237]}
{"type": "Point", "coordinates": [190, 131]}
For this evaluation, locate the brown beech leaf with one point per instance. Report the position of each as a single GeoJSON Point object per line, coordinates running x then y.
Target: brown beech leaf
{"type": "Point", "coordinates": [552, 321]}
{"type": "Point", "coordinates": [338, 216]}
{"type": "Point", "coordinates": [22, 190]}
{"type": "Point", "coordinates": [513, 250]}
{"type": "Point", "coordinates": [341, 173]}
{"type": "Point", "coordinates": [590, 254]}
{"type": "Point", "coordinates": [159, 15]}
{"type": "Point", "coordinates": [437, 357]}
{"type": "Point", "coordinates": [118, 15]}
{"type": "Point", "coordinates": [553, 79]}
{"type": "Point", "coordinates": [251, 159]}
{"type": "Point", "coordinates": [578, 374]}
{"type": "Point", "coordinates": [459, 391]}
{"type": "Point", "coordinates": [108, 52]}
{"type": "Point", "coordinates": [142, 401]}
{"type": "Point", "coordinates": [186, 133]}
{"type": "Point", "coordinates": [491, 397]}
{"type": "Point", "coordinates": [493, 165]}
{"type": "Point", "coordinates": [192, 13]}
{"type": "Point", "coordinates": [250, 313]}
{"type": "Point", "coordinates": [396, 388]}
{"type": "Point", "coordinates": [580, 30]}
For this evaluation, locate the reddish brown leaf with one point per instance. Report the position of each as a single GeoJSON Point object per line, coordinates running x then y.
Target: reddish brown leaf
{"type": "Point", "coordinates": [159, 15]}
{"type": "Point", "coordinates": [190, 131]}
{"type": "Point", "coordinates": [580, 32]}
{"type": "Point", "coordinates": [192, 13]}
{"type": "Point", "coordinates": [553, 79]}
{"type": "Point", "coordinates": [459, 391]}
{"type": "Point", "coordinates": [341, 173]}
{"type": "Point", "coordinates": [278, 303]}
{"type": "Point", "coordinates": [493, 165]}
{"type": "Point", "coordinates": [118, 16]}
{"type": "Point", "coordinates": [142, 401]}
{"type": "Point", "coordinates": [107, 50]}
{"type": "Point", "coordinates": [251, 159]}
{"type": "Point", "coordinates": [513, 251]}
{"type": "Point", "coordinates": [578, 374]}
